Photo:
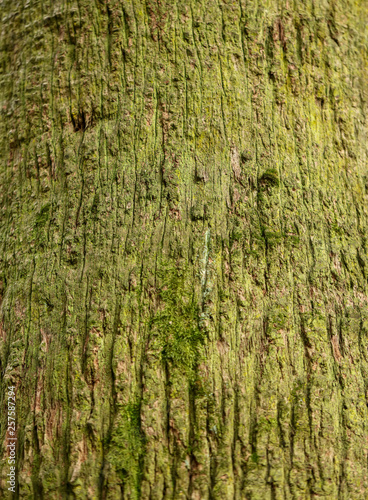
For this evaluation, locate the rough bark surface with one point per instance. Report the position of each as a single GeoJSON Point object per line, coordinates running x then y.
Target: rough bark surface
{"type": "Point", "coordinates": [183, 249]}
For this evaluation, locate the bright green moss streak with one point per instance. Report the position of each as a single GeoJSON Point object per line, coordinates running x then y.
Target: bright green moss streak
{"type": "Point", "coordinates": [127, 447]}
{"type": "Point", "coordinates": [175, 328]}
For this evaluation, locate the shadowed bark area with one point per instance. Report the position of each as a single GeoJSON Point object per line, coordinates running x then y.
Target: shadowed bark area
{"type": "Point", "coordinates": [183, 248]}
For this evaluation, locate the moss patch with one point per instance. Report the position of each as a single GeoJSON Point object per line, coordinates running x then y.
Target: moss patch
{"type": "Point", "coordinates": [175, 327]}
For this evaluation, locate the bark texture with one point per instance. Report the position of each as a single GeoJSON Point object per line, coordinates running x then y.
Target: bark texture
{"type": "Point", "coordinates": [183, 249]}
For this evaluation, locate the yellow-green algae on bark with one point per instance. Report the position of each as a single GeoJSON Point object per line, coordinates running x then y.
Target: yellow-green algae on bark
{"type": "Point", "coordinates": [183, 248]}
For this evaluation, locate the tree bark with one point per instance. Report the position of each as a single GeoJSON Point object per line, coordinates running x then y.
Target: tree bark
{"type": "Point", "coordinates": [183, 265]}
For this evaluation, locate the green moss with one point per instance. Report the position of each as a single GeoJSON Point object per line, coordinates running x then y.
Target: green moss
{"type": "Point", "coordinates": [95, 204]}
{"type": "Point", "coordinates": [272, 237]}
{"type": "Point", "coordinates": [270, 178]}
{"type": "Point", "coordinates": [237, 234]}
{"type": "Point", "coordinates": [293, 240]}
{"type": "Point", "coordinates": [42, 217]}
{"type": "Point", "coordinates": [246, 156]}
{"type": "Point", "coordinates": [127, 445]}
{"type": "Point", "coordinates": [176, 327]}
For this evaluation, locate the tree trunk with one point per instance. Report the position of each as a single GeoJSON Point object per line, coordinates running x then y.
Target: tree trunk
{"type": "Point", "coordinates": [184, 252]}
